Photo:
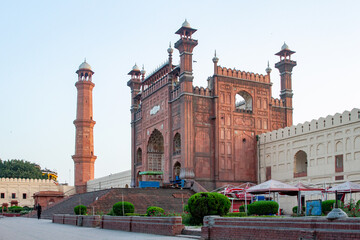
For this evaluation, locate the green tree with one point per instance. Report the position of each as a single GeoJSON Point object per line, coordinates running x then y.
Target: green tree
{"type": "Point", "coordinates": [15, 168]}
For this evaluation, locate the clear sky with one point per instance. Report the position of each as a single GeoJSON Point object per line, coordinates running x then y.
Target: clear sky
{"type": "Point", "coordinates": [42, 43]}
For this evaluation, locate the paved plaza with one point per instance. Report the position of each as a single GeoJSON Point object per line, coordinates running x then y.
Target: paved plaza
{"type": "Point", "coordinates": [14, 228]}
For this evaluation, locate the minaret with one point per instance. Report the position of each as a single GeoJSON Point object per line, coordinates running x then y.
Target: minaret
{"type": "Point", "coordinates": [185, 45]}
{"type": "Point", "coordinates": [285, 66]}
{"type": "Point", "coordinates": [84, 140]}
{"type": "Point", "coordinates": [135, 85]}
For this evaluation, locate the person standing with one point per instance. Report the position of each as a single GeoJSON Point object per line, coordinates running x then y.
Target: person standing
{"type": "Point", "coordinates": [38, 208]}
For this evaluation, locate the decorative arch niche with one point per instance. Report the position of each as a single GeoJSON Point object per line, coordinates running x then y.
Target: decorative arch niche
{"type": "Point", "coordinates": [177, 144]}
{"type": "Point", "coordinates": [139, 156]}
{"type": "Point", "coordinates": [155, 152]}
{"type": "Point", "coordinates": [300, 164]}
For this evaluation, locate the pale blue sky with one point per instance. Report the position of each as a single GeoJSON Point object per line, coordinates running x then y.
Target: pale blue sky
{"type": "Point", "coordinates": [42, 43]}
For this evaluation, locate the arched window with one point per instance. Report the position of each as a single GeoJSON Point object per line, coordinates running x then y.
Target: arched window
{"type": "Point", "coordinates": [177, 144]}
{"type": "Point", "coordinates": [138, 159]}
{"type": "Point", "coordinates": [243, 102]}
{"type": "Point", "coordinates": [300, 164]}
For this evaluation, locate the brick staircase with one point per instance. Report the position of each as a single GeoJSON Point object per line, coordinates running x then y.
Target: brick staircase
{"type": "Point", "coordinates": [67, 205]}
{"type": "Point", "coordinates": [100, 202]}
{"type": "Point", "coordinates": [171, 200]}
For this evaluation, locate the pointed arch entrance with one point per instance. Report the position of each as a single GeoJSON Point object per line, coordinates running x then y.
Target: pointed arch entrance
{"type": "Point", "coordinates": [155, 153]}
{"type": "Point", "coordinates": [176, 170]}
{"type": "Point", "coordinates": [138, 178]}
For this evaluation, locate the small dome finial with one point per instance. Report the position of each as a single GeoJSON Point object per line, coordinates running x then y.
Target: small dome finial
{"type": "Point", "coordinates": [284, 46]}
{"type": "Point", "coordinates": [268, 69]}
{"type": "Point", "coordinates": [186, 24]}
{"type": "Point", "coordinates": [85, 65]}
{"type": "Point", "coordinates": [170, 50]}
{"type": "Point", "coordinates": [215, 58]}
{"type": "Point", "coordinates": [135, 67]}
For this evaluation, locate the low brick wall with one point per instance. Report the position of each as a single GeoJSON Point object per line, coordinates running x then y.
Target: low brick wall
{"type": "Point", "coordinates": [216, 227]}
{"type": "Point", "coordinates": [58, 218]}
{"type": "Point", "coordinates": [70, 219]}
{"type": "Point", "coordinates": [90, 221]}
{"type": "Point", "coordinates": [157, 225]}
{"type": "Point", "coordinates": [116, 223]}
{"type": "Point", "coordinates": [170, 226]}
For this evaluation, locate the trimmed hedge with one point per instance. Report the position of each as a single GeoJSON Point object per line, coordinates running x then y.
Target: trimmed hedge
{"type": "Point", "coordinates": [327, 205]}
{"type": "Point", "coordinates": [15, 209]}
{"type": "Point", "coordinates": [135, 214]}
{"type": "Point", "coordinates": [80, 210]}
{"type": "Point", "coordinates": [263, 208]}
{"type": "Point", "coordinates": [205, 203]}
{"type": "Point", "coordinates": [120, 206]}
{"type": "Point", "coordinates": [235, 214]}
{"type": "Point", "coordinates": [294, 209]}
{"type": "Point", "coordinates": [154, 211]}
{"type": "Point", "coordinates": [242, 208]}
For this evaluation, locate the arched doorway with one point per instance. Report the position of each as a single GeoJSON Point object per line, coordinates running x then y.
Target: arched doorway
{"type": "Point", "coordinates": [138, 178]}
{"type": "Point", "coordinates": [176, 170]}
{"type": "Point", "coordinates": [155, 153]}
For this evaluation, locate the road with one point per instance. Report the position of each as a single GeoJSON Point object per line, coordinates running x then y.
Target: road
{"type": "Point", "coordinates": [19, 228]}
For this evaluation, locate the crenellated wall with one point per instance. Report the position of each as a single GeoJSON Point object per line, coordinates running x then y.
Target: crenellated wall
{"type": "Point", "coordinates": [275, 102]}
{"type": "Point", "coordinates": [330, 121]}
{"type": "Point", "coordinates": [22, 187]}
{"type": "Point", "coordinates": [228, 72]}
{"type": "Point", "coordinates": [202, 91]}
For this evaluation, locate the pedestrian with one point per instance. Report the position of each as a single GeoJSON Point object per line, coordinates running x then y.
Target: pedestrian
{"type": "Point", "coordinates": [38, 208]}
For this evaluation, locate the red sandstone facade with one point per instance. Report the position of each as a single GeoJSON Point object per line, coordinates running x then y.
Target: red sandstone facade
{"type": "Point", "coordinates": [84, 143]}
{"type": "Point", "coordinates": [207, 135]}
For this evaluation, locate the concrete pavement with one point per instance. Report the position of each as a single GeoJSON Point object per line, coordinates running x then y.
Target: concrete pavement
{"type": "Point", "coordinates": [16, 228]}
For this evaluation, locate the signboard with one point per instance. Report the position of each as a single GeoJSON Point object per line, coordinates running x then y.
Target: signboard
{"type": "Point", "coordinates": [313, 207]}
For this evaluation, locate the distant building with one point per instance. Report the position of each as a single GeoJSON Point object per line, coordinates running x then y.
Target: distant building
{"type": "Point", "coordinates": [117, 180]}
{"type": "Point", "coordinates": [206, 136]}
{"type": "Point", "coordinates": [23, 190]}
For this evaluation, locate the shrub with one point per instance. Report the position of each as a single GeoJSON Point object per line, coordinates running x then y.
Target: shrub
{"type": "Point", "coordinates": [15, 209]}
{"type": "Point", "coordinates": [294, 209]}
{"type": "Point", "coordinates": [121, 208]}
{"type": "Point", "coordinates": [327, 205]}
{"type": "Point", "coordinates": [263, 208]}
{"type": "Point", "coordinates": [154, 211]}
{"type": "Point", "coordinates": [357, 205]}
{"type": "Point", "coordinates": [111, 212]}
{"type": "Point", "coordinates": [203, 204]}
{"type": "Point", "coordinates": [186, 208]}
{"type": "Point", "coordinates": [224, 204]}
{"type": "Point", "coordinates": [242, 208]}
{"type": "Point", "coordinates": [80, 210]}
{"type": "Point", "coordinates": [188, 220]}
{"type": "Point", "coordinates": [236, 214]}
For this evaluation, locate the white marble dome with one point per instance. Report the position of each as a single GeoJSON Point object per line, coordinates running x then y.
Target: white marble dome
{"type": "Point", "coordinates": [85, 65]}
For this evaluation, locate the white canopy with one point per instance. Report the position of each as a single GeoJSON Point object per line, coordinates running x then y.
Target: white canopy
{"type": "Point", "coordinates": [346, 187]}
{"type": "Point", "coordinates": [272, 186]}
